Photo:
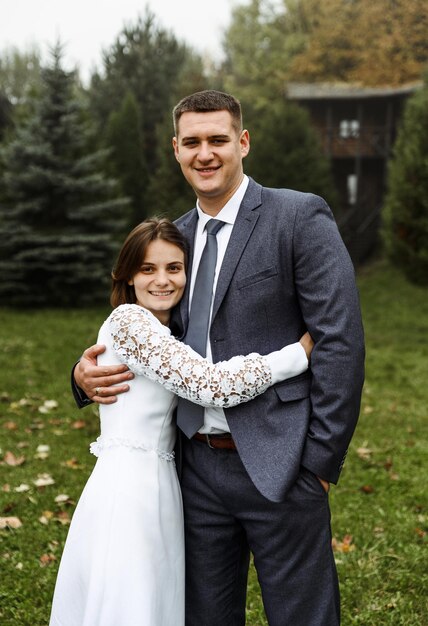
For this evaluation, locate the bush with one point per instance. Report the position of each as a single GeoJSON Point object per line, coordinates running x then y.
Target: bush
{"type": "Point", "coordinates": [405, 228]}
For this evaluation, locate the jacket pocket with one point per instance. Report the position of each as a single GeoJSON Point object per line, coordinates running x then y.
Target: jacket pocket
{"type": "Point", "coordinates": [295, 388]}
{"type": "Point", "coordinates": [248, 281]}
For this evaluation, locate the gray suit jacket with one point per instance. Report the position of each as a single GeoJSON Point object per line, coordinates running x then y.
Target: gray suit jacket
{"type": "Point", "coordinates": [286, 270]}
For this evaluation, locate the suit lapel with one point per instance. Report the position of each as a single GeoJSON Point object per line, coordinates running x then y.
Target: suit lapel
{"type": "Point", "coordinates": [188, 229]}
{"type": "Point", "coordinates": [242, 229]}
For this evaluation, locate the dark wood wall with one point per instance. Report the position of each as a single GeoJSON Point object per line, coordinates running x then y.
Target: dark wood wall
{"type": "Point", "coordinates": [357, 134]}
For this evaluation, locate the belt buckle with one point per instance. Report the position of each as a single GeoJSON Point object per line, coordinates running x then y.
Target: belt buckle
{"type": "Point", "coordinates": [207, 437]}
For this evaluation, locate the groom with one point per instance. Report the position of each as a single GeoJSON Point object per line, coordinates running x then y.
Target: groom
{"type": "Point", "coordinates": [255, 477]}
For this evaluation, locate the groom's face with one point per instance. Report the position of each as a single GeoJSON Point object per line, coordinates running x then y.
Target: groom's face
{"type": "Point", "coordinates": [210, 150]}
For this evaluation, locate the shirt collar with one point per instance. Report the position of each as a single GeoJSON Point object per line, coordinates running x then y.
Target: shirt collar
{"type": "Point", "coordinates": [230, 210]}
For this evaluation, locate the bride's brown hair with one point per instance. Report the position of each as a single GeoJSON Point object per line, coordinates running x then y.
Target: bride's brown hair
{"type": "Point", "coordinates": [133, 251]}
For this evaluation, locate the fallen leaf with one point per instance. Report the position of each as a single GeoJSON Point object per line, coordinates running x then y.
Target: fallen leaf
{"type": "Point", "coordinates": [78, 424]}
{"type": "Point", "coordinates": [10, 522]}
{"type": "Point", "coordinates": [16, 405]}
{"type": "Point", "coordinates": [72, 463]}
{"type": "Point", "coordinates": [62, 498]}
{"type": "Point", "coordinates": [63, 517]}
{"type": "Point", "coordinates": [8, 507]}
{"type": "Point", "coordinates": [367, 489]}
{"type": "Point", "coordinates": [46, 559]}
{"type": "Point", "coordinates": [10, 425]}
{"type": "Point", "coordinates": [22, 488]}
{"type": "Point", "coordinates": [343, 546]}
{"type": "Point", "coordinates": [420, 532]}
{"type": "Point", "coordinates": [364, 453]}
{"type": "Point", "coordinates": [42, 456]}
{"type": "Point", "coordinates": [388, 464]}
{"type": "Point", "coordinates": [394, 476]}
{"type": "Point", "coordinates": [43, 480]}
{"type": "Point", "coordinates": [47, 406]}
{"type": "Point", "coordinates": [6, 488]}
{"type": "Point", "coordinates": [368, 409]}
{"type": "Point", "coordinates": [42, 452]}
{"type": "Point", "coordinates": [19, 566]}
{"type": "Point", "coordinates": [12, 460]}
{"type": "Point", "coordinates": [51, 404]}
{"type": "Point", "coordinates": [45, 517]}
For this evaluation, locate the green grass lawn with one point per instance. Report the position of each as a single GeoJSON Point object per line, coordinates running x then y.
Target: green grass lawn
{"type": "Point", "coordinates": [379, 508]}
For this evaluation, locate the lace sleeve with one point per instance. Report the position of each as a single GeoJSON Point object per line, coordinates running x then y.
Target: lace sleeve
{"type": "Point", "coordinates": [146, 346]}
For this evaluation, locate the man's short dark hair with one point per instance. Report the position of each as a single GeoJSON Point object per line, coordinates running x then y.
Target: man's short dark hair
{"type": "Point", "coordinates": [206, 101]}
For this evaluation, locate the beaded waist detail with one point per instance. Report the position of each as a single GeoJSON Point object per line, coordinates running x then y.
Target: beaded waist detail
{"type": "Point", "coordinates": [96, 447]}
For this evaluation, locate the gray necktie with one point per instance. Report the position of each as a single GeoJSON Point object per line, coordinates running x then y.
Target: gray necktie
{"type": "Point", "coordinates": [190, 416]}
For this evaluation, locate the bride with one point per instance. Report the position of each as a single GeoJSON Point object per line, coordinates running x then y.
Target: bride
{"type": "Point", "coordinates": [123, 561]}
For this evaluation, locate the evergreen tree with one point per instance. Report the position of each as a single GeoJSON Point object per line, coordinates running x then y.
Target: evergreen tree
{"type": "Point", "coordinates": [127, 163]}
{"type": "Point", "coordinates": [58, 220]}
{"type": "Point", "coordinates": [5, 115]}
{"type": "Point", "coordinates": [170, 193]}
{"type": "Point", "coordinates": [19, 83]}
{"type": "Point", "coordinates": [285, 150]}
{"type": "Point", "coordinates": [405, 215]}
{"type": "Point", "coordinates": [19, 74]}
{"type": "Point", "coordinates": [149, 62]}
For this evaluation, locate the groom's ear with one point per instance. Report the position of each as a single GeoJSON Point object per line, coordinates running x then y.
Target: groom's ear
{"type": "Point", "coordinates": [175, 147]}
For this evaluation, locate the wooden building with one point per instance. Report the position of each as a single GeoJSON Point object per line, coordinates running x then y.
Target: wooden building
{"type": "Point", "coordinates": [357, 127]}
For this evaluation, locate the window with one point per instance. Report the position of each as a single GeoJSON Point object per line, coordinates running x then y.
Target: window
{"type": "Point", "coordinates": [352, 186]}
{"type": "Point", "coordinates": [349, 129]}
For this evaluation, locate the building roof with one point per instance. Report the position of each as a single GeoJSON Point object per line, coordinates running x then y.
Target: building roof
{"type": "Point", "coordinates": [336, 91]}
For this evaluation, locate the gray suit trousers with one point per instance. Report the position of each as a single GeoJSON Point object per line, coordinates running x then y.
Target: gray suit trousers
{"type": "Point", "coordinates": [226, 517]}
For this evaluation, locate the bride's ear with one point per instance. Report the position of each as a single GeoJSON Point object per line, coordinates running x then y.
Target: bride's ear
{"type": "Point", "coordinates": [130, 282]}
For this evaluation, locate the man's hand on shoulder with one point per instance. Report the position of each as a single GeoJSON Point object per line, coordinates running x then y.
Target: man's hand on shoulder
{"type": "Point", "coordinates": [96, 380]}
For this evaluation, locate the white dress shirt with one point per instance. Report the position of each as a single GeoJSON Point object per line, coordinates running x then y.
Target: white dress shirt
{"type": "Point", "coordinates": [280, 363]}
{"type": "Point", "coordinates": [215, 420]}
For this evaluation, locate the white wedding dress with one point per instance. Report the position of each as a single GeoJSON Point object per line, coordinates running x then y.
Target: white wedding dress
{"type": "Point", "coordinates": [123, 561]}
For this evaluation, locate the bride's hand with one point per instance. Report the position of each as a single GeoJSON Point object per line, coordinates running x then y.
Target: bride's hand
{"type": "Point", "coordinates": [307, 344]}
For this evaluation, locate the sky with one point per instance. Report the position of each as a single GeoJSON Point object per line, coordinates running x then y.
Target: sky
{"type": "Point", "coordinates": [85, 27]}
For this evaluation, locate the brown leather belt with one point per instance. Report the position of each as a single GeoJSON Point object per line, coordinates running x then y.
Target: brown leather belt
{"type": "Point", "coordinates": [217, 442]}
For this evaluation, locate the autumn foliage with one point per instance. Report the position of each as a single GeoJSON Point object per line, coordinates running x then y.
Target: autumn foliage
{"type": "Point", "coordinates": [361, 41]}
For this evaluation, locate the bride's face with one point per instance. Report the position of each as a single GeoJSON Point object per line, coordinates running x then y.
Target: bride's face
{"type": "Point", "coordinates": [160, 283]}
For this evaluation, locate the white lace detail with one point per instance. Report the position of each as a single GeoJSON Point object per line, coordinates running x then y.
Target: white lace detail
{"type": "Point", "coordinates": [96, 447]}
{"type": "Point", "coordinates": [148, 349]}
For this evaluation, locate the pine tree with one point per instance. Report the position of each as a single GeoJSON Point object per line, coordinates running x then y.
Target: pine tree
{"type": "Point", "coordinates": [170, 193]}
{"type": "Point", "coordinates": [151, 63]}
{"type": "Point", "coordinates": [127, 163]}
{"type": "Point", "coordinates": [59, 215]}
{"type": "Point", "coordinates": [285, 150]}
{"type": "Point", "coordinates": [405, 214]}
